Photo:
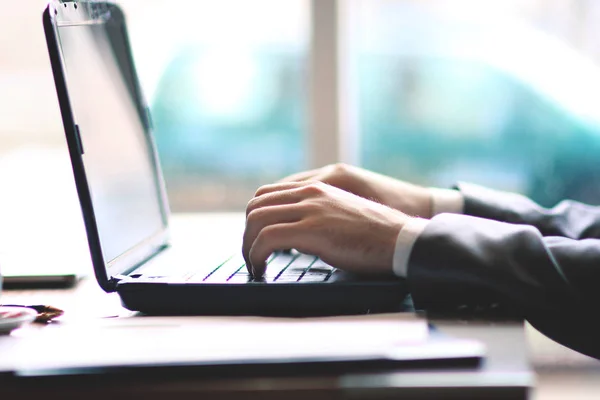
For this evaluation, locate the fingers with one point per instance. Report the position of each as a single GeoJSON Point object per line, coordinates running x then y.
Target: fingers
{"type": "Point", "coordinates": [276, 205]}
{"type": "Point", "coordinates": [269, 240]}
{"type": "Point", "coordinates": [264, 217]}
{"type": "Point", "coordinates": [277, 187]}
{"type": "Point", "coordinates": [283, 193]}
{"type": "Point", "coordinates": [276, 198]}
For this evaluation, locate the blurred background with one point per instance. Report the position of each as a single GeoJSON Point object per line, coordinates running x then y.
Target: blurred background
{"type": "Point", "coordinates": [500, 92]}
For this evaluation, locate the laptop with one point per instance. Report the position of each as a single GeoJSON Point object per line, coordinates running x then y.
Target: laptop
{"type": "Point", "coordinates": [122, 196]}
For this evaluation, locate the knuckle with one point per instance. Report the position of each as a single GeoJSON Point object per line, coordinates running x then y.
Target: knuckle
{"type": "Point", "coordinates": [252, 205]}
{"type": "Point", "coordinates": [339, 168]}
{"type": "Point", "coordinates": [254, 215]}
{"type": "Point", "coordinates": [269, 233]}
{"type": "Point", "coordinates": [314, 188]}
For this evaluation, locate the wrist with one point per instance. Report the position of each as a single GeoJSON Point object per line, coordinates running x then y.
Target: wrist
{"type": "Point", "coordinates": [446, 201]}
{"type": "Point", "coordinates": [415, 201]}
{"type": "Point", "coordinates": [405, 240]}
{"type": "Point", "coordinates": [387, 241]}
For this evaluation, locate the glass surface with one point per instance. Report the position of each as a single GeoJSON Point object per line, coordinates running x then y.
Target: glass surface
{"type": "Point", "coordinates": [491, 92]}
{"type": "Point", "coordinates": [117, 155]}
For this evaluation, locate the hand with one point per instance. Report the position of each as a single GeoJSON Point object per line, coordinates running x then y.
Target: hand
{"type": "Point", "coordinates": [408, 198]}
{"type": "Point", "coordinates": [344, 230]}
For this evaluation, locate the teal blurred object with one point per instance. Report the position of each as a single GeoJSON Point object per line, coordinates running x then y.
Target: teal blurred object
{"type": "Point", "coordinates": [490, 129]}
{"type": "Point", "coordinates": [440, 99]}
{"type": "Point", "coordinates": [253, 129]}
{"type": "Point", "coordinates": [478, 97]}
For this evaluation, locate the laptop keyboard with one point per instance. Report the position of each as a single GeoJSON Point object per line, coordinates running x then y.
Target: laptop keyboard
{"type": "Point", "coordinates": [281, 268]}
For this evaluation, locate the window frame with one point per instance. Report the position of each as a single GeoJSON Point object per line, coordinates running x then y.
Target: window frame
{"type": "Point", "coordinates": [332, 134]}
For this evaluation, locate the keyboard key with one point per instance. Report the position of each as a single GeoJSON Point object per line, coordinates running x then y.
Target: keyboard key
{"type": "Point", "coordinates": [281, 267]}
{"type": "Point", "coordinates": [270, 275]}
{"type": "Point", "coordinates": [304, 261]}
{"type": "Point", "coordinates": [313, 278]}
{"type": "Point", "coordinates": [280, 261]}
{"type": "Point", "coordinates": [287, 279]}
{"type": "Point", "coordinates": [321, 264]}
{"type": "Point", "coordinates": [239, 279]}
{"type": "Point", "coordinates": [278, 264]}
{"type": "Point", "coordinates": [320, 269]}
{"type": "Point", "coordinates": [313, 274]}
{"type": "Point", "coordinates": [226, 270]}
{"type": "Point", "coordinates": [290, 274]}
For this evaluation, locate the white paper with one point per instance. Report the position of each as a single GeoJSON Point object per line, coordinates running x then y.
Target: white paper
{"type": "Point", "coordinates": [169, 340]}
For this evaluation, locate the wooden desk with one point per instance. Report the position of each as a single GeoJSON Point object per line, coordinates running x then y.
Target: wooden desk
{"type": "Point", "coordinates": [505, 368]}
{"type": "Point", "coordinates": [561, 373]}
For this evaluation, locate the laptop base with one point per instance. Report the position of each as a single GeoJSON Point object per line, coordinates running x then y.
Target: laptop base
{"type": "Point", "coordinates": [276, 299]}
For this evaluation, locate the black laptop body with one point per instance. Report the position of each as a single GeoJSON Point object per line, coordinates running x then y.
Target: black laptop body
{"type": "Point", "coordinates": [122, 195]}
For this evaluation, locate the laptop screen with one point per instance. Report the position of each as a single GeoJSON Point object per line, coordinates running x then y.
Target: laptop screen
{"type": "Point", "coordinates": [117, 151]}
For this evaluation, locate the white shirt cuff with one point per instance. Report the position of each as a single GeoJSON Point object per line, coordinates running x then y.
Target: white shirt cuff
{"type": "Point", "coordinates": [446, 201]}
{"type": "Point", "coordinates": [407, 237]}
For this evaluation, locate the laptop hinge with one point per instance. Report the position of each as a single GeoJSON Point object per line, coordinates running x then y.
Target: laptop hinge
{"type": "Point", "coordinates": [114, 281]}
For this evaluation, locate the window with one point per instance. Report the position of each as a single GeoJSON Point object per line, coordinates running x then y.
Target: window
{"type": "Point", "coordinates": [475, 91]}
{"type": "Point", "coordinates": [500, 92]}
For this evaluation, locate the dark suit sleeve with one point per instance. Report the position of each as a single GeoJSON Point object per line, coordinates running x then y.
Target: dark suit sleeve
{"type": "Point", "coordinates": [569, 218]}
{"type": "Point", "coordinates": [543, 265]}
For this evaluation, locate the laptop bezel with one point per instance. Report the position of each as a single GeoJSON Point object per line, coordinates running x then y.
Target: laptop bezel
{"type": "Point", "coordinates": [108, 273]}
